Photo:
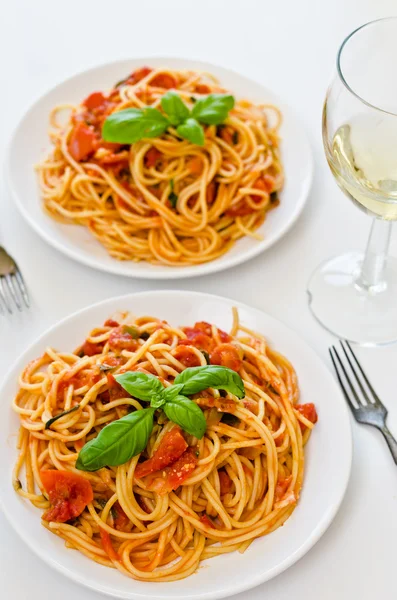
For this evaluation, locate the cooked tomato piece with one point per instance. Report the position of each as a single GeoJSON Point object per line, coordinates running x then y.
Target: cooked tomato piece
{"type": "Point", "coordinates": [173, 476]}
{"type": "Point", "coordinates": [82, 142]}
{"type": "Point", "coordinates": [117, 169]}
{"type": "Point", "coordinates": [205, 520]}
{"type": "Point", "coordinates": [94, 100]}
{"type": "Point", "coordinates": [225, 482]}
{"type": "Point", "coordinates": [211, 192]}
{"type": "Point", "coordinates": [114, 146]}
{"type": "Point", "coordinates": [198, 340]}
{"type": "Point", "coordinates": [111, 323]}
{"type": "Point", "coordinates": [265, 184]}
{"type": "Point", "coordinates": [90, 349]}
{"type": "Point", "coordinates": [114, 96]}
{"type": "Point", "coordinates": [79, 380]}
{"type": "Point", "coordinates": [151, 157]}
{"type": "Point", "coordinates": [138, 75]}
{"type": "Point", "coordinates": [204, 327]}
{"type": "Point", "coordinates": [281, 487]}
{"type": "Point", "coordinates": [195, 165]}
{"type": "Point", "coordinates": [226, 355]}
{"type": "Point", "coordinates": [186, 356]}
{"type": "Point", "coordinates": [121, 339]}
{"type": "Point", "coordinates": [207, 328]}
{"type": "Point", "coordinates": [226, 133]}
{"type": "Point", "coordinates": [107, 545]}
{"type": "Point", "coordinates": [308, 410]}
{"type": "Point", "coordinates": [156, 191]}
{"type": "Point", "coordinates": [270, 182]}
{"type": "Point", "coordinates": [171, 447]}
{"type": "Point", "coordinates": [120, 519]}
{"type": "Point", "coordinates": [279, 440]}
{"type": "Point", "coordinates": [226, 405]}
{"type": "Point", "coordinates": [115, 390]}
{"type": "Point", "coordinates": [201, 88]}
{"type": "Point", "coordinates": [240, 209]}
{"type": "Point", "coordinates": [164, 80]}
{"type": "Point", "coordinates": [68, 493]}
{"type": "Point", "coordinates": [114, 361]}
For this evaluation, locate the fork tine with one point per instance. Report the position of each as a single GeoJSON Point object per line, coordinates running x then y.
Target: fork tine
{"type": "Point", "coordinates": [3, 296]}
{"type": "Point", "coordinates": [351, 386]}
{"type": "Point", "coordinates": [358, 380]}
{"type": "Point", "coordinates": [371, 389]}
{"type": "Point", "coordinates": [353, 408]}
{"type": "Point", "coordinates": [22, 287]}
{"type": "Point", "coordinates": [13, 291]}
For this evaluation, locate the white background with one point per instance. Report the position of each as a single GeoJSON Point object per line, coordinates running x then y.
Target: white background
{"type": "Point", "coordinates": [290, 47]}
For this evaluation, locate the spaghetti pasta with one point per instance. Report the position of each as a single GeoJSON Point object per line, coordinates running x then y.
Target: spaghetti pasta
{"type": "Point", "coordinates": [164, 200]}
{"type": "Point", "coordinates": [182, 500]}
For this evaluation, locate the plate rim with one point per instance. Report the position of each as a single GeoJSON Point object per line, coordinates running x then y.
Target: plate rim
{"type": "Point", "coordinates": [291, 559]}
{"type": "Point", "coordinates": [177, 272]}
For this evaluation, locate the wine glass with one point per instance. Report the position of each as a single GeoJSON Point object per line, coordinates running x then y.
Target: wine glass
{"type": "Point", "coordinates": [355, 295]}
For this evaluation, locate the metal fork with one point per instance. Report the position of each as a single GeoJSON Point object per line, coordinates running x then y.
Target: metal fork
{"type": "Point", "coordinates": [12, 286]}
{"type": "Point", "coordinates": [361, 397]}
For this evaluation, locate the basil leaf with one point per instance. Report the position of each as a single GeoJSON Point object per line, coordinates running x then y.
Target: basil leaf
{"type": "Point", "coordinates": [133, 124]}
{"type": "Point", "coordinates": [117, 442]}
{"type": "Point", "coordinates": [133, 331]}
{"type": "Point", "coordinates": [172, 391]}
{"type": "Point", "coordinates": [191, 130]}
{"type": "Point", "coordinates": [213, 109]}
{"type": "Point", "coordinates": [157, 400]}
{"type": "Point", "coordinates": [173, 198]}
{"type": "Point", "coordinates": [140, 385]}
{"type": "Point", "coordinates": [186, 414]}
{"type": "Point", "coordinates": [175, 108]}
{"type": "Point", "coordinates": [62, 414]}
{"type": "Point", "coordinates": [122, 82]}
{"type": "Point", "coordinates": [196, 379]}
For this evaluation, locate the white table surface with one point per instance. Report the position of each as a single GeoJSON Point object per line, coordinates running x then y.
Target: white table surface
{"type": "Point", "coordinates": [290, 46]}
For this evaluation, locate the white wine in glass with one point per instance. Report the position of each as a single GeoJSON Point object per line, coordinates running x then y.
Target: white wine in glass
{"type": "Point", "coordinates": [364, 163]}
{"type": "Point", "coordinates": [355, 295]}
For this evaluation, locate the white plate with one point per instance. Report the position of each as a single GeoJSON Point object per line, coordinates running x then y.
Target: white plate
{"type": "Point", "coordinates": [328, 457]}
{"type": "Point", "coordinates": [30, 143]}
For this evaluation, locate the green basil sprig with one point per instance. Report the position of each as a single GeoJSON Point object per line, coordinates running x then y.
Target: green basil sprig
{"type": "Point", "coordinates": [122, 439]}
{"type": "Point", "coordinates": [186, 414]}
{"type": "Point", "coordinates": [197, 379]}
{"type": "Point", "coordinates": [62, 414]}
{"type": "Point", "coordinates": [191, 130]}
{"type": "Point", "coordinates": [213, 109]}
{"type": "Point", "coordinates": [173, 105]}
{"type": "Point", "coordinates": [117, 442]}
{"type": "Point", "coordinates": [130, 125]}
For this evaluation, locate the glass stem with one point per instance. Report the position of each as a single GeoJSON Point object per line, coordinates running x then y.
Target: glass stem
{"type": "Point", "coordinates": [372, 276]}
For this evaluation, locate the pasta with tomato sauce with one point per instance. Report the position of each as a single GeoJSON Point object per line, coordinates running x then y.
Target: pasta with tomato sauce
{"type": "Point", "coordinates": [183, 498]}
{"type": "Point", "coordinates": [164, 200]}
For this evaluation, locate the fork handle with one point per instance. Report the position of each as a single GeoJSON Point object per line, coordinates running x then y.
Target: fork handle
{"type": "Point", "coordinates": [391, 442]}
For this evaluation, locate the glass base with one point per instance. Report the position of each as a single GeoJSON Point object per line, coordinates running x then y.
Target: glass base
{"type": "Point", "coordinates": [366, 316]}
